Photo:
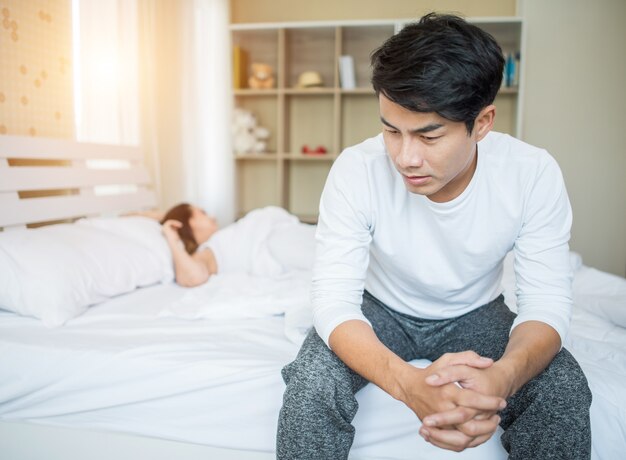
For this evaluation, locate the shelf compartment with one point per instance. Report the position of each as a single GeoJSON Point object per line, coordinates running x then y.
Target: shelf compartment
{"type": "Point", "coordinates": [257, 185]}
{"type": "Point", "coordinates": [309, 121]}
{"type": "Point", "coordinates": [310, 49]}
{"type": "Point", "coordinates": [360, 118]}
{"type": "Point", "coordinates": [305, 182]}
{"type": "Point", "coordinates": [265, 109]}
{"type": "Point", "coordinates": [359, 42]}
{"type": "Point", "coordinates": [506, 113]}
{"type": "Point", "coordinates": [259, 46]}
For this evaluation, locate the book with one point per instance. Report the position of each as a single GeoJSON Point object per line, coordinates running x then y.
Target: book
{"type": "Point", "coordinates": [346, 72]}
{"type": "Point", "coordinates": [240, 65]}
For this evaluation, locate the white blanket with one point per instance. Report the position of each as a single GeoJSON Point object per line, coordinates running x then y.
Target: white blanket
{"type": "Point", "coordinates": [241, 295]}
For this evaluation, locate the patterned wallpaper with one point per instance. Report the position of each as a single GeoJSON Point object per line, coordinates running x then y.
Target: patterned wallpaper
{"type": "Point", "coordinates": [36, 68]}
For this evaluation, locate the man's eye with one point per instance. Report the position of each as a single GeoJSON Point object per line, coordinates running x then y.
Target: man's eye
{"type": "Point", "coordinates": [392, 131]}
{"type": "Point", "coordinates": [430, 138]}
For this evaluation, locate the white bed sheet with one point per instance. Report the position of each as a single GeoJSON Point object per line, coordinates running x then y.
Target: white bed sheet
{"type": "Point", "coordinates": [599, 346]}
{"type": "Point", "coordinates": [129, 366]}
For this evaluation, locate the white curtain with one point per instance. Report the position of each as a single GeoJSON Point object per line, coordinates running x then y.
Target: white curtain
{"type": "Point", "coordinates": [105, 71]}
{"type": "Point", "coordinates": [207, 107]}
{"type": "Point", "coordinates": [185, 90]}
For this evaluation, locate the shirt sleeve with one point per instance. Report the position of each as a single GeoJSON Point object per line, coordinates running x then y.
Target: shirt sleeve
{"type": "Point", "coordinates": [343, 238]}
{"type": "Point", "coordinates": [542, 264]}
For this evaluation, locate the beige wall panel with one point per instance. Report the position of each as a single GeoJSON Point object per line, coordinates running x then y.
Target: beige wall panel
{"type": "Point", "coordinates": [574, 104]}
{"type": "Point", "coordinates": [243, 11]}
{"type": "Point", "coordinates": [36, 68]}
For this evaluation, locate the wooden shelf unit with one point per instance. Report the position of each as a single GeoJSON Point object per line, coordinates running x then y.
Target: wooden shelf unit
{"type": "Point", "coordinates": [328, 116]}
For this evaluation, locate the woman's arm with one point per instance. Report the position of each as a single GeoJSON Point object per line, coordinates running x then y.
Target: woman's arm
{"type": "Point", "coordinates": [151, 214]}
{"type": "Point", "coordinates": [190, 269]}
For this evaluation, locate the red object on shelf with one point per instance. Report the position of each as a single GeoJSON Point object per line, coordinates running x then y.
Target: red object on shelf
{"type": "Point", "coordinates": [320, 150]}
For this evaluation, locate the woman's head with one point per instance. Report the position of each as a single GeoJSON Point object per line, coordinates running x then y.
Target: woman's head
{"type": "Point", "coordinates": [197, 226]}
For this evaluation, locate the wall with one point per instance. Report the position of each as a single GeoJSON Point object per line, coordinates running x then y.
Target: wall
{"type": "Point", "coordinates": [36, 68]}
{"type": "Point", "coordinates": [575, 106]}
{"type": "Point", "coordinates": [306, 10]}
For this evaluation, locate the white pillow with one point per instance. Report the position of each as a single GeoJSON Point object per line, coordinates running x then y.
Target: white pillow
{"type": "Point", "coordinates": [55, 273]}
{"type": "Point", "coordinates": [142, 230]}
{"type": "Point", "coordinates": [601, 293]}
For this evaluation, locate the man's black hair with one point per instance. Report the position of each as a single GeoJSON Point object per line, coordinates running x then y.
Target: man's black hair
{"type": "Point", "coordinates": [440, 64]}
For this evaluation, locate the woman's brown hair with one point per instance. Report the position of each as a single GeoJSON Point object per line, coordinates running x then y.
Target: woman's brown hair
{"type": "Point", "coordinates": [182, 213]}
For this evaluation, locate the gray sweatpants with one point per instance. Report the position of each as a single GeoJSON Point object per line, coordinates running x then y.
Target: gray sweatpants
{"type": "Point", "coordinates": [548, 418]}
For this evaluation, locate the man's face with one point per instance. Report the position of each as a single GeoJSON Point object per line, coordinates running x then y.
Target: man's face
{"type": "Point", "coordinates": [435, 156]}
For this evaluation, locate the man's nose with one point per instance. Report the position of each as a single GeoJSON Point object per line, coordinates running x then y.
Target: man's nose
{"type": "Point", "coordinates": [411, 154]}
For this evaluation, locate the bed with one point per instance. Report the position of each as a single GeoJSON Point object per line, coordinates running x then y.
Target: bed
{"type": "Point", "coordinates": [154, 370]}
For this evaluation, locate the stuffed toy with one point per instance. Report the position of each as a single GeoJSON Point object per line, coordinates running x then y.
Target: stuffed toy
{"type": "Point", "coordinates": [262, 76]}
{"type": "Point", "coordinates": [248, 137]}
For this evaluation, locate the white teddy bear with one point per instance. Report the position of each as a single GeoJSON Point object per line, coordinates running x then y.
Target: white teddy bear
{"type": "Point", "coordinates": [247, 136]}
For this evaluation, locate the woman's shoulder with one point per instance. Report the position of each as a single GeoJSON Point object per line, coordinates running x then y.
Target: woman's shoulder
{"type": "Point", "coordinates": [269, 215]}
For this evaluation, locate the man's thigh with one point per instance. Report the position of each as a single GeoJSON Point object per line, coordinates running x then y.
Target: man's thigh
{"type": "Point", "coordinates": [484, 330]}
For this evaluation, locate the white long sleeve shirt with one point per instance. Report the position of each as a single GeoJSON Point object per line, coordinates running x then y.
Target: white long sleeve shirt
{"type": "Point", "coordinates": [442, 260]}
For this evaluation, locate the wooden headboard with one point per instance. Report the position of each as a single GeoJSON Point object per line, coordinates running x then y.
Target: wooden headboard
{"type": "Point", "coordinates": [43, 180]}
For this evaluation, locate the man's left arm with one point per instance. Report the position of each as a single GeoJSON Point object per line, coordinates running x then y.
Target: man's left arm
{"type": "Point", "coordinates": [543, 279]}
{"type": "Point", "coordinates": [532, 346]}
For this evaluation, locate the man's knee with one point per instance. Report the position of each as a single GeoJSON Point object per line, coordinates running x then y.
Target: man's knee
{"type": "Point", "coordinates": [567, 383]}
{"type": "Point", "coordinates": [576, 381]}
{"type": "Point", "coordinates": [316, 369]}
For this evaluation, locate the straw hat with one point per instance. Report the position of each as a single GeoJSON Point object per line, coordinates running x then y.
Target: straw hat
{"type": "Point", "coordinates": [310, 79]}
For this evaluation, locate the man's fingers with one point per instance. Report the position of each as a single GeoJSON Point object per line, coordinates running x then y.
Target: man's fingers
{"type": "Point", "coordinates": [469, 434]}
{"type": "Point", "coordinates": [468, 421]}
{"type": "Point", "coordinates": [456, 416]}
{"type": "Point", "coordinates": [450, 439]}
{"type": "Point", "coordinates": [450, 374]}
{"type": "Point", "coordinates": [478, 428]}
{"type": "Point", "coordinates": [478, 440]}
{"type": "Point", "coordinates": [468, 358]}
{"type": "Point", "coordinates": [474, 400]}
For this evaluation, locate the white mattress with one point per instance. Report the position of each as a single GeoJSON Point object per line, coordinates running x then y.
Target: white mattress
{"type": "Point", "coordinates": [131, 365]}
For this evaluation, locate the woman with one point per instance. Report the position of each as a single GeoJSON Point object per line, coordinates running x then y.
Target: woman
{"type": "Point", "coordinates": [185, 228]}
{"type": "Point", "coordinates": [265, 242]}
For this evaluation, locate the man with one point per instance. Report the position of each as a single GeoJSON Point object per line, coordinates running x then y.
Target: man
{"type": "Point", "coordinates": [414, 226]}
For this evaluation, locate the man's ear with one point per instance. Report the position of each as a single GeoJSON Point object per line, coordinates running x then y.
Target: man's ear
{"type": "Point", "coordinates": [484, 121]}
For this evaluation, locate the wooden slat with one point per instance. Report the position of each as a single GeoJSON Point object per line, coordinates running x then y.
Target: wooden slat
{"type": "Point", "coordinates": [17, 212]}
{"type": "Point", "coordinates": [40, 148]}
{"type": "Point", "coordinates": [19, 178]}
